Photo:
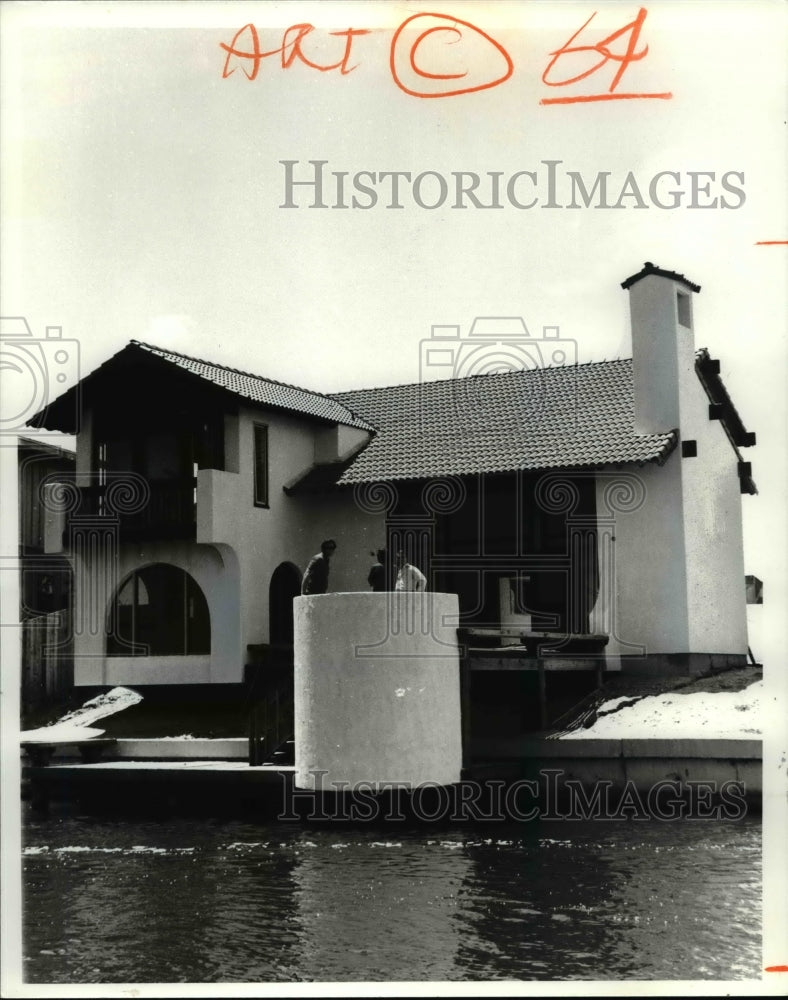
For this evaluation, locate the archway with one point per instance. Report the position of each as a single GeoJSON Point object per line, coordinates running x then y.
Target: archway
{"type": "Point", "coordinates": [159, 610]}
{"type": "Point", "coordinates": [285, 585]}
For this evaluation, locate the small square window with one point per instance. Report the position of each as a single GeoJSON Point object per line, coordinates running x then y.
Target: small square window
{"type": "Point", "coordinates": [689, 449]}
{"type": "Point", "coordinates": [260, 465]}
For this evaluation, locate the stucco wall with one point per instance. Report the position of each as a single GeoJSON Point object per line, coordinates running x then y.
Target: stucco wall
{"type": "Point", "coordinates": [291, 529]}
{"type": "Point", "coordinates": [374, 703]}
{"type": "Point", "coordinates": [333, 444]}
{"type": "Point", "coordinates": [649, 566]}
{"type": "Point", "coordinates": [713, 532]}
{"type": "Point", "coordinates": [679, 563]}
{"type": "Point", "coordinates": [357, 533]}
{"type": "Point", "coordinates": [214, 569]}
{"type": "Point", "coordinates": [661, 347]}
{"type": "Point", "coordinates": [247, 543]}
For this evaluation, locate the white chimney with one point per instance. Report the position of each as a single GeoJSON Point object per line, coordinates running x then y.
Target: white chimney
{"type": "Point", "coordinates": [663, 347]}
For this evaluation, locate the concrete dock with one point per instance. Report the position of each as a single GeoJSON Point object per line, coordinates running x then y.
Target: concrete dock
{"type": "Point", "coordinates": [214, 775]}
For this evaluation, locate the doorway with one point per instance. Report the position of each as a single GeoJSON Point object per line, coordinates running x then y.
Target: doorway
{"type": "Point", "coordinates": [285, 585]}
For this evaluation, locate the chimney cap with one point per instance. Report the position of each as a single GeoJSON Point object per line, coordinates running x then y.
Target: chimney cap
{"type": "Point", "coordinates": [649, 268]}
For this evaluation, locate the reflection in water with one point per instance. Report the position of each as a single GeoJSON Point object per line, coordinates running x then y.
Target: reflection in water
{"type": "Point", "coordinates": [379, 906]}
{"type": "Point", "coordinates": [611, 901]}
{"type": "Point", "coordinates": [522, 909]}
{"type": "Point", "coordinates": [182, 901]}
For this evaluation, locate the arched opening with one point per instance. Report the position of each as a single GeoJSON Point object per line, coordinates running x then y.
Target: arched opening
{"type": "Point", "coordinates": [285, 585]}
{"type": "Point", "coordinates": [158, 611]}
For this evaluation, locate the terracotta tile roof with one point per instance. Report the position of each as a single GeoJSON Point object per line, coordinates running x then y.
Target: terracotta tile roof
{"type": "Point", "coordinates": [261, 390]}
{"type": "Point", "coordinates": [576, 416]}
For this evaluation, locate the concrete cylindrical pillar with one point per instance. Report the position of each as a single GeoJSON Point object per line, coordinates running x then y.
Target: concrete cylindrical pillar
{"type": "Point", "coordinates": [374, 702]}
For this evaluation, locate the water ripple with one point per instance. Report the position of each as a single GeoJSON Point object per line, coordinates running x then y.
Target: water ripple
{"type": "Point", "coordinates": [240, 902]}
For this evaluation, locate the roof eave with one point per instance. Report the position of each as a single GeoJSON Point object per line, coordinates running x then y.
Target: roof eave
{"type": "Point", "coordinates": [659, 458]}
{"type": "Point", "coordinates": [708, 371]}
{"type": "Point", "coordinates": [649, 268]}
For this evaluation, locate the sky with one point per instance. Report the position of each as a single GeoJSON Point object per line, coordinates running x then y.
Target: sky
{"type": "Point", "coordinates": [143, 185]}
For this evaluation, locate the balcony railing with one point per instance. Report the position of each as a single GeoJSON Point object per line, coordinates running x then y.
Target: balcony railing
{"type": "Point", "coordinates": [165, 509]}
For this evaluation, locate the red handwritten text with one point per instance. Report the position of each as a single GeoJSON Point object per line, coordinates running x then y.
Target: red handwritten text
{"type": "Point", "coordinates": [602, 49]}
{"type": "Point", "coordinates": [414, 79]}
{"type": "Point", "coordinates": [290, 49]}
{"type": "Point", "coordinates": [438, 55]}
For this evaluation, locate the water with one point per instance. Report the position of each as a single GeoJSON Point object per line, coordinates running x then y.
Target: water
{"type": "Point", "coordinates": [229, 901]}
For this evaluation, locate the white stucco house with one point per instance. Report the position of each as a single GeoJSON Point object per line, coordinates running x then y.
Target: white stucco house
{"type": "Point", "coordinates": [592, 507]}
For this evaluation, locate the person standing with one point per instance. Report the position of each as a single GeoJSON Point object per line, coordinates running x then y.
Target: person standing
{"type": "Point", "coordinates": [409, 577]}
{"type": "Point", "coordinates": [315, 579]}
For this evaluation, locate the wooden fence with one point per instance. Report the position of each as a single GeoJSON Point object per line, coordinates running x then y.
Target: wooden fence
{"type": "Point", "coordinates": [47, 660]}
{"type": "Point", "coordinates": [269, 683]}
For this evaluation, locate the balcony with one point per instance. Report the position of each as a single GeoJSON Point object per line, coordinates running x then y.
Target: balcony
{"type": "Point", "coordinates": [162, 509]}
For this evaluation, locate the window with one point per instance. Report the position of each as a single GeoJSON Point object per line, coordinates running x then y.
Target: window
{"type": "Point", "coordinates": [683, 309]}
{"type": "Point", "coordinates": [159, 611]}
{"type": "Point", "coordinates": [260, 465]}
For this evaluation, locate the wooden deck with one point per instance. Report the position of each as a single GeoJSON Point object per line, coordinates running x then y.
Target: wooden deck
{"type": "Point", "coordinates": [562, 654]}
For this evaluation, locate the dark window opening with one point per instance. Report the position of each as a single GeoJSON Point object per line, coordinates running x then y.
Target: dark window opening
{"type": "Point", "coordinates": [209, 444]}
{"type": "Point", "coordinates": [545, 563]}
{"type": "Point", "coordinates": [45, 585]}
{"type": "Point", "coordinates": [159, 611]}
{"type": "Point", "coordinates": [260, 465]}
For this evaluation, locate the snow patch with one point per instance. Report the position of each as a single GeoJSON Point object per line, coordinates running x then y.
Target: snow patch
{"type": "Point", "coordinates": [76, 725]}
{"type": "Point", "coordinates": [66, 733]}
{"type": "Point", "coordinates": [731, 715]}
